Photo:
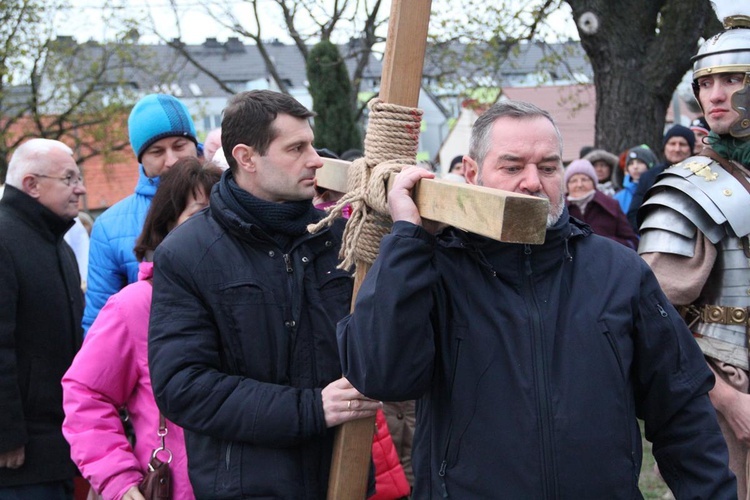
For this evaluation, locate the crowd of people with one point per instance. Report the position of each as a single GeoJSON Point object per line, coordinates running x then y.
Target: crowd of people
{"type": "Point", "coordinates": [600, 177]}
{"type": "Point", "coordinates": [210, 331]}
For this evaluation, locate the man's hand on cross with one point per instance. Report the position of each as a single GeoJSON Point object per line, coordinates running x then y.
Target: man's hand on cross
{"type": "Point", "coordinates": [400, 202]}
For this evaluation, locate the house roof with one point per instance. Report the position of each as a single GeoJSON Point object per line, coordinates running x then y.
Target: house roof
{"type": "Point", "coordinates": [163, 68]}
{"type": "Point", "coordinates": [519, 64]}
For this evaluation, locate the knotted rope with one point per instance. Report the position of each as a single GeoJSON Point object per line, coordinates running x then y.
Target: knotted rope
{"type": "Point", "coordinates": [391, 143]}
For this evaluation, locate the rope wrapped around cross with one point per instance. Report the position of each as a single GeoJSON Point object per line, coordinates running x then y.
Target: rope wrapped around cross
{"type": "Point", "coordinates": [391, 143]}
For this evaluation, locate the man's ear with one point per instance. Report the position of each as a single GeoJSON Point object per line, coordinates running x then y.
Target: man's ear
{"type": "Point", "coordinates": [471, 170]}
{"type": "Point", "coordinates": [244, 156]}
{"type": "Point", "coordinates": [30, 185]}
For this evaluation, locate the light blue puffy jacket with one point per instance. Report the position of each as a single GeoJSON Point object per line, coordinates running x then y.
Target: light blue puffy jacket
{"type": "Point", "coordinates": [112, 263]}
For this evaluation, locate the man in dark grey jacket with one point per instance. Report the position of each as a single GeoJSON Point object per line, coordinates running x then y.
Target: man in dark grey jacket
{"type": "Point", "coordinates": [41, 305]}
{"type": "Point", "coordinates": [530, 364]}
{"type": "Point", "coordinates": [242, 344]}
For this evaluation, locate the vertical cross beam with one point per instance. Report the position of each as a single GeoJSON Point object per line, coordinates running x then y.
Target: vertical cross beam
{"type": "Point", "coordinates": [399, 84]}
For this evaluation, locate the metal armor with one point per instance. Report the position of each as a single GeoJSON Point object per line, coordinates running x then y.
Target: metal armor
{"type": "Point", "coordinates": [698, 195]}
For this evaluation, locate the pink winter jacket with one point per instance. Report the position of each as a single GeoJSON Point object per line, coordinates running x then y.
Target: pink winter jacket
{"type": "Point", "coordinates": [111, 370]}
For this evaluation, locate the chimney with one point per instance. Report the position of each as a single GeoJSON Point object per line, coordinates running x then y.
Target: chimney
{"type": "Point", "coordinates": [212, 43]}
{"type": "Point", "coordinates": [234, 45]}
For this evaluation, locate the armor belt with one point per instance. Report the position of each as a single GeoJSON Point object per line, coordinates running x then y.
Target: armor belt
{"type": "Point", "coordinates": [724, 315]}
{"type": "Point", "coordinates": [722, 348]}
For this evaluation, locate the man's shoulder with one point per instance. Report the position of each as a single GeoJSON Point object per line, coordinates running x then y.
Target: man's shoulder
{"type": "Point", "coordinates": [6, 215]}
{"type": "Point", "coordinates": [707, 183]}
{"type": "Point", "coordinates": [598, 249]}
{"type": "Point", "coordinates": [15, 225]}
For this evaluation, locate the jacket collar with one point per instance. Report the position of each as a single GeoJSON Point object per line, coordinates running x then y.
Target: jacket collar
{"type": "Point", "coordinates": [235, 224]}
{"type": "Point", "coordinates": [565, 228]}
{"type": "Point", "coordinates": [145, 270]}
{"type": "Point", "coordinates": [509, 261]}
{"type": "Point", "coordinates": [146, 185]}
{"type": "Point", "coordinates": [43, 220]}
{"type": "Point", "coordinates": [600, 199]}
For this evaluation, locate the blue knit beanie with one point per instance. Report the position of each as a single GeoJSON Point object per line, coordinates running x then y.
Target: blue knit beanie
{"type": "Point", "coordinates": [155, 117]}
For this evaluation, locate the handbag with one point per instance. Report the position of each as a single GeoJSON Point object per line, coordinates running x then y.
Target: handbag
{"type": "Point", "coordinates": [157, 483]}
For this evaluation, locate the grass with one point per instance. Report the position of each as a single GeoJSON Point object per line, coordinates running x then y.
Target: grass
{"type": "Point", "coordinates": [651, 484]}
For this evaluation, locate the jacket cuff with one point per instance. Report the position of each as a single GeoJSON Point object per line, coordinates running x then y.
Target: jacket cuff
{"type": "Point", "coordinates": [320, 416]}
{"type": "Point", "coordinates": [14, 438]}
{"type": "Point", "coordinates": [117, 486]}
{"type": "Point", "coordinates": [405, 229]}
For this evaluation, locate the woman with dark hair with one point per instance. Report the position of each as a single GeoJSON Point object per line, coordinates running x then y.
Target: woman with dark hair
{"type": "Point", "coordinates": [111, 369]}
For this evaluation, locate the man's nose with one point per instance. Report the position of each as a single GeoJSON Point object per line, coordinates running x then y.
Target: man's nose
{"type": "Point", "coordinates": [530, 181]}
{"type": "Point", "coordinates": [315, 161]}
{"type": "Point", "coordinates": [170, 158]}
{"type": "Point", "coordinates": [717, 93]}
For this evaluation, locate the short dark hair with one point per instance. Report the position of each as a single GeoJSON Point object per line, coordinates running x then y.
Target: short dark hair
{"type": "Point", "coordinates": [457, 160]}
{"type": "Point", "coordinates": [248, 117]}
{"type": "Point", "coordinates": [352, 154]}
{"type": "Point", "coordinates": [187, 176]}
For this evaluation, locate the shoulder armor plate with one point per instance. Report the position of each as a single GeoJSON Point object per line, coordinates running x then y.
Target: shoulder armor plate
{"type": "Point", "coordinates": [662, 241]}
{"type": "Point", "coordinates": [685, 207]}
{"type": "Point", "coordinates": [721, 190]}
{"type": "Point", "coordinates": [661, 217]}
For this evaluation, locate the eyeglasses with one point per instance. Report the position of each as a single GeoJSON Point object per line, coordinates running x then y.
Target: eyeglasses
{"type": "Point", "coordinates": [69, 180]}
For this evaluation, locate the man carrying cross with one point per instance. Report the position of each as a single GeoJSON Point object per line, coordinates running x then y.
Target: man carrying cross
{"type": "Point", "coordinates": [530, 363]}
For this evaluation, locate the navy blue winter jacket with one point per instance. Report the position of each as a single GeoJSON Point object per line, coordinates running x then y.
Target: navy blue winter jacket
{"type": "Point", "coordinates": [241, 342]}
{"type": "Point", "coordinates": [530, 365]}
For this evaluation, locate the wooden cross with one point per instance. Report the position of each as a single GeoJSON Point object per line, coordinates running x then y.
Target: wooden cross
{"type": "Point", "coordinates": [500, 215]}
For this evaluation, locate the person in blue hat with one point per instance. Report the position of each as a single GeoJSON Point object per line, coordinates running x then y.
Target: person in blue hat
{"type": "Point", "coordinates": [679, 142]}
{"type": "Point", "coordinates": [161, 132]}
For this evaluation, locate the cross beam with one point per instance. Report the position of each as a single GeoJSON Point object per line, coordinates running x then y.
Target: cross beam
{"type": "Point", "coordinates": [496, 214]}
{"type": "Point", "coordinates": [500, 215]}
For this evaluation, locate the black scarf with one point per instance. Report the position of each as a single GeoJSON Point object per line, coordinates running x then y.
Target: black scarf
{"type": "Point", "coordinates": [289, 219]}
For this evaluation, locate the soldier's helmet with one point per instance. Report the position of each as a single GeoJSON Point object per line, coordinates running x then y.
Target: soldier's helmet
{"type": "Point", "coordinates": [729, 52]}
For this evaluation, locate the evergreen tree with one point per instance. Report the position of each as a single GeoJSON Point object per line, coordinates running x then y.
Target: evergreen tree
{"type": "Point", "coordinates": [331, 91]}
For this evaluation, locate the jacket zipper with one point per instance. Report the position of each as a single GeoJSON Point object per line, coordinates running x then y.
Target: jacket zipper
{"type": "Point", "coordinates": [540, 381]}
{"type": "Point", "coordinates": [288, 262]}
{"type": "Point", "coordinates": [664, 314]}
{"type": "Point", "coordinates": [292, 296]}
{"type": "Point", "coordinates": [444, 463]}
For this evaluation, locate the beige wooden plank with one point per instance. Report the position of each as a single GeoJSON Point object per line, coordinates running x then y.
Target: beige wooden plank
{"type": "Point", "coordinates": [400, 84]}
{"type": "Point", "coordinates": [405, 47]}
{"type": "Point", "coordinates": [500, 215]}
{"type": "Point", "coordinates": [333, 175]}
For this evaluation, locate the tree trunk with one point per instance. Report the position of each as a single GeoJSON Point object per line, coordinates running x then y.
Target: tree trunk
{"type": "Point", "coordinates": [639, 51]}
